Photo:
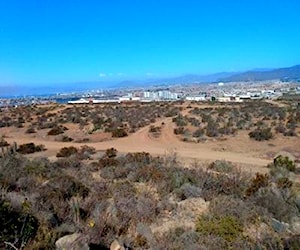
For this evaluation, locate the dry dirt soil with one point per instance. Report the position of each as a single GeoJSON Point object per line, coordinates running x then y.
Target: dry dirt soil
{"type": "Point", "coordinates": [240, 149]}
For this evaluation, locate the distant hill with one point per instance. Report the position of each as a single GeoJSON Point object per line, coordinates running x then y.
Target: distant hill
{"type": "Point", "coordinates": [194, 78]}
{"type": "Point", "coordinates": [290, 73]}
{"type": "Point", "coordinates": [184, 79]}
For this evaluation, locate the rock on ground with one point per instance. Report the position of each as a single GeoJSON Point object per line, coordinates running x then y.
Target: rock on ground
{"type": "Point", "coordinates": [71, 242]}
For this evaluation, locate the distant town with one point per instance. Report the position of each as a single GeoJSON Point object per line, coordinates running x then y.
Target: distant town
{"type": "Point", "coordinates": [220, 92]}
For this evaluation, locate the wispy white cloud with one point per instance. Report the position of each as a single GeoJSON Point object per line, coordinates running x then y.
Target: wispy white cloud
{"type": "Point", "coordinates": [102, 75]}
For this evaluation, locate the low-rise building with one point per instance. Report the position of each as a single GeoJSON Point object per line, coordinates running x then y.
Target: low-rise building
{"type": "Point", "coordinates": [196, 98]}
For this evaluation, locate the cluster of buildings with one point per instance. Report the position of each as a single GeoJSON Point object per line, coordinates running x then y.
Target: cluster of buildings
{"type": "Point", "coordinates": [221, 93]}
{"type": "Point", "coordinates": [147, 96]}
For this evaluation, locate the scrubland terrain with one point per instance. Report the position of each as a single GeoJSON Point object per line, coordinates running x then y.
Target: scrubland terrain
{"type": "Point", "coordinates": [194, 131]}
{"type": "Point", "coordinates": [150, 176]}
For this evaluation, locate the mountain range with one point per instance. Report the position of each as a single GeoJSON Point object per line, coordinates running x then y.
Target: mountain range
{"type": "Point", "coordinates": [289, 73]}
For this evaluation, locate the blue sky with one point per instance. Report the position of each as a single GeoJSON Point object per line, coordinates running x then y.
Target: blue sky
{"type": "Point", "coordinates": [65, 41]}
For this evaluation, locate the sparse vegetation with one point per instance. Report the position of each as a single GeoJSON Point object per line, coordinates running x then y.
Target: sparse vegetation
{"type": "Point", "coordinates": [146, 201]}
{"type": "Point", "coordinates": [136, 191]}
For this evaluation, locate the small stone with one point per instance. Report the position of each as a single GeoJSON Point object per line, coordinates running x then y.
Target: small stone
{"type": "Point", "coordinates": [116, 245]}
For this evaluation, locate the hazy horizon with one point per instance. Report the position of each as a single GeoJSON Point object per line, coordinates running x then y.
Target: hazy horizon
{"type": "Point", "coordinates": [58, 43]}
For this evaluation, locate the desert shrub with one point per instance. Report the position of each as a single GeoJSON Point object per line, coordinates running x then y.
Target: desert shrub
{"type": "Point", "coordinates": [60, 189]}
{"type": "Point", "coordinates": [173, 179]}
{"type": "Point", "coordinates": [11, 170]}
{"type": "Point", "coordinates": [139, 157]}
{"type": "Point", "coordinates": [119, 132]}
{"type": "Point", "coordinates": [125, 201]}
{"type": "Point", "coordinates": [16, 227]}
{"type": "Point", "coordinates": [30, 130]}
{"type": "Point", "coordinates": [259, 181]}
{"type": "Point", "coordinates": [57, 130]}
{"type": "Point", "coordinates": [278, 172]}
{"type": "Point", "coordinates": [277, 203]}
{"type": "Point", "coordinates": [3, 143]}
{"type": "Point", "coordinates": [188, 190]}
{"type": "Point", "coordinates": [245, 212]}
{"type": "Point", "coordinates": [193, 121]}
{"type": "Point", "coordinates": [280, 128]}
{"type": "Point", "coordinates": [214, 184]}
{"type": "Point", "coordinates": [227, 130]}
{"type": "Point", "coordinates": [172, 112]}
{"type": "Point", "coordinates": [284, 183]}
{"type": "Point", "coordinates": [241, 124]}
{"type": "Point", "coordinates": [180, 121]}
{"type": "Point", "coordinates": [72, 161]}
{"type": "Point", "coordinates": [221, 166]}
{"type": "Point", "coordinates": [148, 173]}
{"type": "Point", "coordinates": [146, 207]}
{"type": "Point", "coordinates": [212, 129]}
{"type": "Point", "coordinates": [180, 238]}
{"type": "Point", "coordinates": [261, 134]}
{"type": "Point", "coordinates": [154, 129]}
{"type": "Point", "coordinates": [226, 227]}
{"type": "Point", "coordinates": [66, 139]}
{"type": "Point", "coordinates": [85, 151]}
{"type": "Point", "coordinates": [111, 153]}
{"type": "Point", "coordinates": [284, 162]}
{"type": "Point", "coordinates": [30, 148]}
{"type": "Point", "coordinates": [198, 133]}
{"type": "Point", "coordinates": [292, 242]}
{"type": "Point", "coordinates": [107, 162]}
{"type": "Point", "coordinates": [290, 132]}
{"type": "Point", "coordinates": [179, 131]}
{"type": "Point", "coordinates": [39, 167]}
{"type": "Point", "coordinates": [46, 237]}
{"type": "Point", "coordinates": [67, 151]}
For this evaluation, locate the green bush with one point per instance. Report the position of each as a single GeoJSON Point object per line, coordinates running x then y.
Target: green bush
{"type": "Point", "coordinates": [226, 227]}
{"type": "Point", "coordinates": [284, 162]}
